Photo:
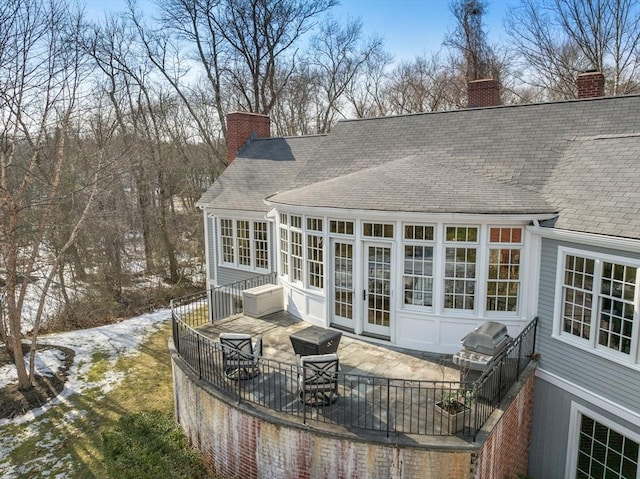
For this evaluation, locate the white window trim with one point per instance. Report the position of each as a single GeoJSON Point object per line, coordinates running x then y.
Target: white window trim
{"type": "Point", "coordinates": [307, 261]}
{"type": "Point", "coordinates": [521, 278]}
{"type": "Point", "coordinates": [433, 243]}
{"type": "Point", "coordinates": [482, 246]}
{"type": "Point", "coordinates": [354, 224]}
{"type": "Point", "coordinates": [577, 411]}
{"type": "Point", "coordinates": [630, 360]}
{"type": "Point", "coordinates": [252, 244]}
{"type": "Point", "coordinates": [221, 260]}
{"type": "Point", "coordinates": [479, 245]}
{"type": "Point", "coordinates": [303, 245]}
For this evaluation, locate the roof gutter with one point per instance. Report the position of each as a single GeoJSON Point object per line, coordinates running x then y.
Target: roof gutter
{"type": "Point", "coordinates": [591, 239]}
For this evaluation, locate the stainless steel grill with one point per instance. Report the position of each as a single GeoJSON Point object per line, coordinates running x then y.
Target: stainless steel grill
{"type": "Point", "coordinates": [480, 347]}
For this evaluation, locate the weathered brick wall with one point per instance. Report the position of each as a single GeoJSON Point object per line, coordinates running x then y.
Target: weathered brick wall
{"type": "Point", "coordinates": [505, 452]}
{"type": "Point", "coordinates": [241, 442]}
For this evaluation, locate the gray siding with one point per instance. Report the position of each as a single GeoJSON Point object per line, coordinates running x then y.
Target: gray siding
{"type": "Point", "coordinates": [606, 378]}
{"type": "Point", "coordinates": [550, 432]}
{"type": "Point", "coordinates": [231, 275]}
{"type": "Point", "coordinates": [227, 275]}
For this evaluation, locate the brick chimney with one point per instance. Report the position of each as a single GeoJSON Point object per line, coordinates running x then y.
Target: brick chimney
{"type": "Point", "coordinates": [485, 92]}
{"type": "Point", "coordinates": [241, 126]}
{"type": "Point", "coordinates": [590, 84]}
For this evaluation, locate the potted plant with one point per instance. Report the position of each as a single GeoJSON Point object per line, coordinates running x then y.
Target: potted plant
{"type": "Point", "coordinates": [453, 409]}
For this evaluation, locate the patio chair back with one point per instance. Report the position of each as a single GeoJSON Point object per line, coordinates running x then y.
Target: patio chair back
{"type": "Point", "coordinates": [239, 353]}
{"type": "Point", "coordinates": [318, 378]}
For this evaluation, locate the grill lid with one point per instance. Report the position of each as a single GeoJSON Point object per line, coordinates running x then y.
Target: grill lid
{"type": "Point", "coordinates": [489, 338]}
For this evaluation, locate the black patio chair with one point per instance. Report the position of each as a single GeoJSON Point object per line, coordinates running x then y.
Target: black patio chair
{"type": "Point", "coordinates": [240, 357]}
{"type": "Point", "coordinates": [318, 379]}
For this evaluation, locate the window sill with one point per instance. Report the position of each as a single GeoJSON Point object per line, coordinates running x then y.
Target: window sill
{"type": "Point", "coordinates": [244, 268]}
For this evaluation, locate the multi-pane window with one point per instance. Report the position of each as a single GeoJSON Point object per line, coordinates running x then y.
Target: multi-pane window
{"type": "Point", "coordinates": [244, 243]}
{"type": "Point", "coordinates": [226, 239]}
{"type": "Point", "coordinates": [503, 285]}
{"type": "Point", "coordinates": [460, 267]}
{"type": "Point", "coordinates": [343, 279]}
{"type": "Point", "coordinates": [605, 453]}
{"type": "Point", "coordinates": [377, 230]}
{"type": "Point", "coordinates": [315, 261]}
{"type": "Point", "coordinates": [261, 245]}
{"type": "Point", "coordinates": [341, 227]}
{"type": "Point", "coordinates": [284, 244]}
{"type": "Point", "coordinates": [577, 296]}
{"type": "Point", "coordinates": [296, 247]}
{"type": "Point", "coordinates": [616, 306]}
{"type": "Point", "coordinates": [418, 265]}
{"type": "Point", "coordinates": [599, 302]}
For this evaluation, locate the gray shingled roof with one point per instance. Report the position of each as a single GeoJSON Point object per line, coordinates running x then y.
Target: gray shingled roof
{"type": "Point", "coordinates": [579, 158]}
{"type": "Point", "coordinates": [417, 184]}
{"type": "Point", "coordinates": [597, 186]}
{"type": "Point", "coordinates": [264, 167]}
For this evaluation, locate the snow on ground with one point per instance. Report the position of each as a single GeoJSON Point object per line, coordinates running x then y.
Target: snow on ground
{"type": "Point", "coordinates": [111, 342]}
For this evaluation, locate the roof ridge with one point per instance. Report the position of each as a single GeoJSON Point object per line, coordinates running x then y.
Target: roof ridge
{"type": "Point", "coordinates": [494, 107]}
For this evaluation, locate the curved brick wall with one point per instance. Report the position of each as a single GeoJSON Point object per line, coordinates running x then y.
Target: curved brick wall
{"type": "Point", "coordinates": [240, 441]}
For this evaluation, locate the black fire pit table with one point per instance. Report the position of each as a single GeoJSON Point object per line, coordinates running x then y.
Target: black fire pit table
{"type": "Point", "coordinates": [315, 340]}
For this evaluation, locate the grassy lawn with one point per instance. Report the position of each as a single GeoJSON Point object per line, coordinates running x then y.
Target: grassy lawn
{"type": "Point", "coordinates": [66, 441]}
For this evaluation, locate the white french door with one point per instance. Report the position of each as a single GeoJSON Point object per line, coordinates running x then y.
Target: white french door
{"type": "Point", "coordinates": [377, 288]}
{"type": "Point", "coordinates": [343, 283]}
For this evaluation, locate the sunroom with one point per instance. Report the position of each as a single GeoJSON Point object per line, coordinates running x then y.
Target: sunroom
{"type": "Point", "coordinates": [418, 273]}
{"type": "Point", "coordinates": [420, 283]}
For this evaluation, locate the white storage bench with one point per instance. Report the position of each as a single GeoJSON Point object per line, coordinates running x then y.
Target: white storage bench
{"type": "Point", "coordinates": [262, 300]}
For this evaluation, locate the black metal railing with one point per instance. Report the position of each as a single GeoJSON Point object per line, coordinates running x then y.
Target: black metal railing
{"type": "Point", "coordinates": [216, 303]}
{"type": "Point", "coordinates": [490, 389]}
{"type": "Point", "coordinates": [374, 403]}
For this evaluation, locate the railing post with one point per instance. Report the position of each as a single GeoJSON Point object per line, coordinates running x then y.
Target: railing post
{"type": "Point", "coordinates": [388, 405]}
{"type": "Point", "coordinates": [535, 334]}
{"type": "Point", "coordinates": [210, 304]}
{"type": "Point", "coordinates": [519, 359]}
{"type": "Point", "coordinates": [199, 357]}
{"type": "Point", "coordinates": [176, 333]}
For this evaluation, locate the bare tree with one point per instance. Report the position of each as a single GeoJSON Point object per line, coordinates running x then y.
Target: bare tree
{"type": "Point", "coordinates": [367, 94]}
{"type": "Point", "coordinates": [469, 39]}
{"type": "Point", "coordinates": [42, 67]}
{"type": "Point", "coordinates": [293, 112]}
{"type": "Point", "coordinates": [338, 54]}
{"type": "Point", "coordinates": [245, 50]}
{"type": "Point", "coordinates": [557, 39]}
{"type": "Point", "coordinates": [425, 84]}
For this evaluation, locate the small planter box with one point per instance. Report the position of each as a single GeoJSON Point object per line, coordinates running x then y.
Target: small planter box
{"type": "Point", "coordinates": [453, 418]}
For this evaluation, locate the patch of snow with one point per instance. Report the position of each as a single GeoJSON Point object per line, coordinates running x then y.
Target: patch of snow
{"type": "Point", "coordinates": [113, 340]}
{"type": "Point", "coordinates": [47, 363]}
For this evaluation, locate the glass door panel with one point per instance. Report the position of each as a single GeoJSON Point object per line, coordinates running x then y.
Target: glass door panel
{"type": "Point", "coordinates": [378, 288]}
{"type": "Point", "coordinates": [343, 288]}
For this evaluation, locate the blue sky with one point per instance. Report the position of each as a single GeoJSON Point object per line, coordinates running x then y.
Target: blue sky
{"type": "Point", "coordinates": [409, 27]}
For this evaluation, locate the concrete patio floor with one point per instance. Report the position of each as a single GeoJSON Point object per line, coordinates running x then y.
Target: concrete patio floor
{"type": "Point", "coordinates": [380, 389]}
{"type": "Point", "coordinates": [357, 356]}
